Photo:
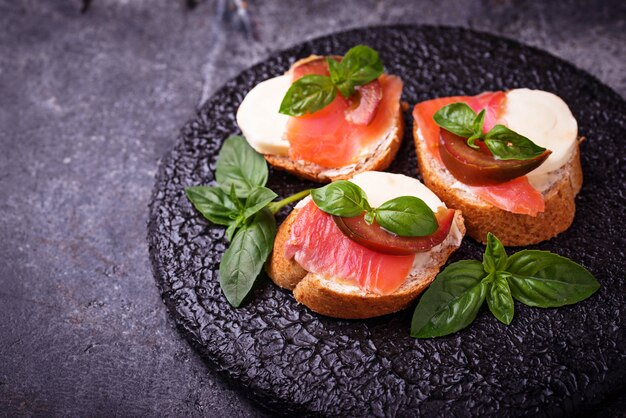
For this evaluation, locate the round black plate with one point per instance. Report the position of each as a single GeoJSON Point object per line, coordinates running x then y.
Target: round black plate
{"type": "Point", "coordinates": [547, 362]}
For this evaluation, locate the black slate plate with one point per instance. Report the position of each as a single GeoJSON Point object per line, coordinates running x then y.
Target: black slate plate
{"type": "Point", "coordinates": [547, 362]}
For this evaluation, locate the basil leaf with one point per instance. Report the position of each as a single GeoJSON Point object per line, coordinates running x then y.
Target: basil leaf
{"type": "Point", "coordinates": [234, 198]}
{"type": "Point", "coordinates": [451, 302]}
{"type": "Point", "coordinates": [243, 260]}
{"type": "Point", "coordinates": [359, 66]}
{"type": "Point", "coordinates": [494, 257]}
{"type": "Point", "coordinates": [457, 118]}
{"type": "Point", "coordinates": [257, 200]}
{"type": "Point", "coordinates": [499, 299]}
{"type": "Point", "coordinates": [477, 127]}
{"type": "Point", "coordinates": [341, 198]}
{"type": "Point", "coordinates": [213, 203]}
{"type": "Point", "coordinates": [233, 227]}
{"type": "Point", "coordinates": [478, 123]}
{"type": "Point", "coordinates": [546, 280]}
{"type": "Point", "coordinates": [506, 144]}
{"type": "Point", "coordinates": [241, 166]}
{"type": "Point", "coordinates": [308, 95]}
{"type": "Point", "coordinates": [407, 216]}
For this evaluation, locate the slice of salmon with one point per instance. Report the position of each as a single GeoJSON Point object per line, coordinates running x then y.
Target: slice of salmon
{"type": "Point", "coordinates": [427, 128]}
{"type": "Point", "coordinates": [320, 247]}
{"type": "Point", "coordinates": [327, 138]}
{"type": "Point", "coordinates": [516, 196]}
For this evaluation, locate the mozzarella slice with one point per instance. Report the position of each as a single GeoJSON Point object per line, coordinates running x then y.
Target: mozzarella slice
{"type": "Point", "coordinates": [258, 116]}
{"type": "Point", "coordinates": [381, 187]}
{"type": "Point", "coordinates": [546, 120]}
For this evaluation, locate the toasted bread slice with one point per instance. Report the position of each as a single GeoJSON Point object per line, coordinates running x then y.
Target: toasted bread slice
{"type": "Point", "coordinates": [512, 229]}
{"type": "Point", "coordinates": [379, 158]}
{"type": "Point", "coordinates": [328, 297]}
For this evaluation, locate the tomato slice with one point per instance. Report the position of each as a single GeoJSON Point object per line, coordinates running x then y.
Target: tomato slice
{"type": "Point", "coordinates": [478, 167]}
{"type": "Point", "coordinates": [378, 239]}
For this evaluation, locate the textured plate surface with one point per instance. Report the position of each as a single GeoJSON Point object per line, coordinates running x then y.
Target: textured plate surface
{"type": "Point", "coordinates": [547, 362]}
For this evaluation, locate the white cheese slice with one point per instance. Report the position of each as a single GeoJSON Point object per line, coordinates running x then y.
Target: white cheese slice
{"type": "Point", "coordinates": [258, 116]}
{"type": "Point", "coordinates": [381, 187]}
{"type": "Point", "coordinates": [546, 120]}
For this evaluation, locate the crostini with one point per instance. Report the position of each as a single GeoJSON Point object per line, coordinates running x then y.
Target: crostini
{"type": "Point", "coordinates": [326, 118]}
{"type": "Point", "coordinates": [508, 160]}
{"type": "Point", "coordinates": [351, 267]}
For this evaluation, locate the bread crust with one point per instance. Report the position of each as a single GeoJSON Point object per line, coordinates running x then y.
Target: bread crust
{"type": "Point", "coordinates": [511, 228]}
{"type": "Point", "coordinates": [378, 160]}
{"type": "Point", "coordinates": [327, 297]}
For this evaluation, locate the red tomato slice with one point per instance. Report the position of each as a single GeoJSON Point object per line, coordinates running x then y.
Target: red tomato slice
{"type": "Point", "coordinates": [376, 238]}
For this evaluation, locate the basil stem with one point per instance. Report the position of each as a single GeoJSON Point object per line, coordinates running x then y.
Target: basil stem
{"type": "Point", "coordinates": [276, 206]}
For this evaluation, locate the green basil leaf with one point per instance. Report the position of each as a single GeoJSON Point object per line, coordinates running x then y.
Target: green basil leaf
{"type": "Point", "coordinates": [451, 302]}
{"type": "Point", "coordinates": [213, 203]}
{"type": "Point", "coordinates": [478, 123]}
{"type": "Point", "coordinates": [308, 95]}
{"type": "Point", "coordinates": [407, 216]}
{"type": "Point", "coordinates": [494, 257]}
{"type": "Point", "coordinates": [457, 118]}
{"type": "Point", "coordinates": [341, 198]}
{"type": "Point", "coordinates": [499, 299]}
{"type": "Point", "coordinates": [257, 200]}
{"type": "Point", "coordinates": [234, 198]}
{"type": "Point", "coordinates": [359, 66]}
{"type": "Point", "coordinates": [241, 166]}
{"type": "Point", "coordinates": [243, 260]}
{"type": "Point", "coordinates": [506, 144]}
{"type": "Point", "coordinates": [477, 127]}
{"type": "Point", "coordinates": [546, 280]}
{"type": "Point", "coordinates": [233, 227]}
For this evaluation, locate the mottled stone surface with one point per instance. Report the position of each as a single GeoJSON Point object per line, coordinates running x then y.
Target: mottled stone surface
{"type": "Point", "coordinates": [89, 102]}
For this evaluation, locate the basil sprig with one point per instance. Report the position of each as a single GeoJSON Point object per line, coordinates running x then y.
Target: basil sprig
{"type": "Point", "coordinates": [313, 92]}
{"type": "Point", "coordinates": [532, 277]}
{"type": "Point", "coordinates": [406, 216]}
{"type": "Point", "coordinates": [241, 202]}
{"type": "Point", "coordinates": [503, 143]}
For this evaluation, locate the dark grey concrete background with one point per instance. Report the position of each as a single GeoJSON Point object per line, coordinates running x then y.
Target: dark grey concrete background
{"type": "Point", "coordinates": [88, 104]}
